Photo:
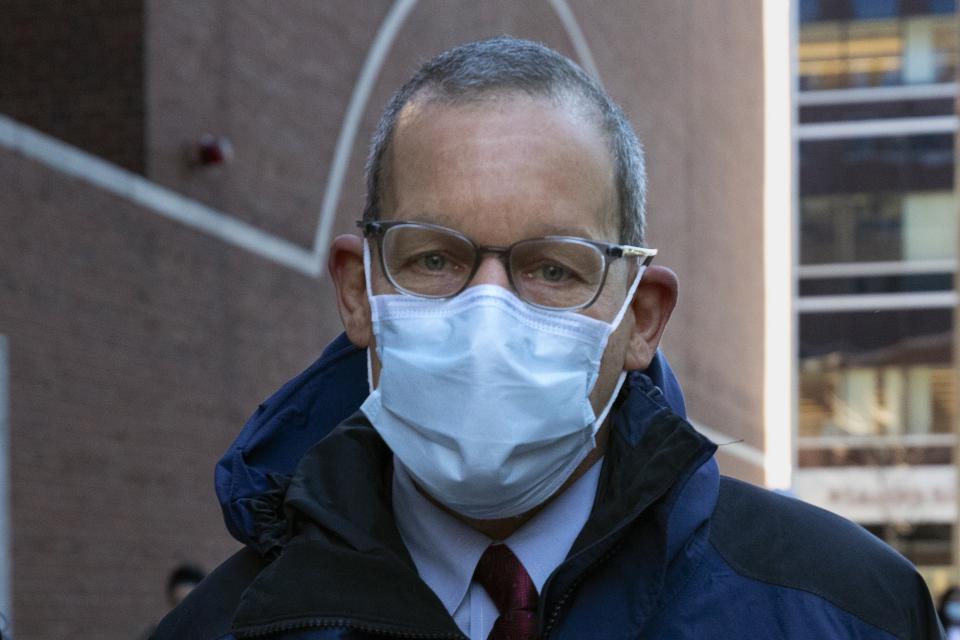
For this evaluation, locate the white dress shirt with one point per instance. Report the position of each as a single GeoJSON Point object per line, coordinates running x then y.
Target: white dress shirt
{"type": "Point", "coordinates": [446, 551]}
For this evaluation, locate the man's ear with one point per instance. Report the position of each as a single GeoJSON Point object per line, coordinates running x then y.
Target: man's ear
{"type": "Point", "coordinates": [652, 305]}
{"type": "Point", "coordinates": [346, 269]}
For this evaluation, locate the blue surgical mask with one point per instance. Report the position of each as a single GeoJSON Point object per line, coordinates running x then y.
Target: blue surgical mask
{"type": "Point", "coordinates": [485, 399]}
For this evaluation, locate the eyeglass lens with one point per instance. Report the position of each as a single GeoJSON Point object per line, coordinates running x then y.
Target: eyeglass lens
{"type": "Point", "coordinates": [431, 262]}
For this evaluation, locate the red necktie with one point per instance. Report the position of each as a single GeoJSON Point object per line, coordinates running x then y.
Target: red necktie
{"type": "Point", "coordinates": [509, 585]}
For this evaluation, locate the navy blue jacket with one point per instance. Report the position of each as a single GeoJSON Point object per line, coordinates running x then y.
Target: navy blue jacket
{"type": "Point", "coordinates": [671, 549]}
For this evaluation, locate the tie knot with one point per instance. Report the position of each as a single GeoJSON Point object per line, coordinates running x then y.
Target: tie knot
{"type": "Point", "coordinates": [508, 584]}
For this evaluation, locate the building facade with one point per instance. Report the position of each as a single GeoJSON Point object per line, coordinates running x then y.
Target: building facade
{"type": "Point", "coordinates": [877, 254]}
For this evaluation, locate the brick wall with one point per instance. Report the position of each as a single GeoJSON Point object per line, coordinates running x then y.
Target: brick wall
{"type": "Point", "coordinates": [75, 70]}
{"type": "Point", "coordinates": [137, 349]}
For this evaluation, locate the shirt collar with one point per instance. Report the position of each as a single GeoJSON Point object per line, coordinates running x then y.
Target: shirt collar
{"type": "Point", "coordinates": [544, 541]}
{"type": "Point", "coordinates": [446, 551]}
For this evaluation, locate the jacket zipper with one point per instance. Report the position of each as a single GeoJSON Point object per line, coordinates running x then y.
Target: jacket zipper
{"type": "Point", "coordinates": [558, 608]}
{"type": "Point", "coordinates": [614, 548]}
{"type": "Point", "coordinates": [342, 623]}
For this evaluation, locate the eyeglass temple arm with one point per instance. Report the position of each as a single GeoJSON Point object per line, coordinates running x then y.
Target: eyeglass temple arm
{"type": "Point", "coordinates": [627, 251]}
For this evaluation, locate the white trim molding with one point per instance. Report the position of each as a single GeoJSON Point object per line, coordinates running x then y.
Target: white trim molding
{"type": "Point", "coordinates": [778, 280]}
{"type": "Point", "coordinates": [878, 302]}
{"type": "Point", "coordinates": [877, 94]}
{"type": "Point", "coordinates": [76, 163]}
{"type": "Point", "coordinates": [575, 33]}
{"type": "Point", "coordinates": [879, 441]}
{"type": "Point", "coordinates": [878, 128]}
{"type": "Point", "coordinates": [871, 269]}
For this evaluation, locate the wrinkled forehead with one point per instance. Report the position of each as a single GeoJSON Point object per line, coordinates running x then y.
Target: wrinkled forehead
{"type": "Point", "coordinates": [541, 158]}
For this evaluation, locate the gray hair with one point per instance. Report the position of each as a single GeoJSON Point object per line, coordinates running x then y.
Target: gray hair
{"type": "Point", "coordinates": [505, 65]}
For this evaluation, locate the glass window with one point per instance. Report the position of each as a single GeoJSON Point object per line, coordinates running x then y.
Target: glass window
{"type": "Point", "coordinates": [838, 285]}
{"type": "Point", "coordinates": [875, 110]}
{"type": "Point", "coordinates": [929, 226]}
{"type": "Point", "coordinates": [877, 199]}
{"type": "Point", "coordinates": [835, 55]}
{"type": "Point", "coordinates": [866, 227]}
{"type": "Point", "coordinates": [809, 10]}
{"type": "Point", "coordinates": [813, 10]}
{"type": "Point", "coordinates": [889, 163]}
{"type": "Point", "coordinates": [876, 373]}
{"type": "Point", "coordinates": [941, 6]}
{"type": "Point", "coordinates": [946, 49]}
{"type": "Point", "coordinates": [874, 46]}
{"type": "Point", "coordinates": [923, 544]}
{"type": "Point", "coordinates": [875, 8]}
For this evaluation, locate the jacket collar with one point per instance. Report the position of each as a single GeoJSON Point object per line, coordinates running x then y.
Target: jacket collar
{"type": "Point", "coordinates": [651, 458]}
{"type": "Point", "coordinates": [342, 541]}
{"type": "Point", "coordinates": [307, 408]}
{"type": "Point", "coordinates": [344, 564]}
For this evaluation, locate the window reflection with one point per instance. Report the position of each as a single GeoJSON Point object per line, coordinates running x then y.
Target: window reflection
{"type": "Point", "coordinates": [875, 50]}
{"type": "Point", "coordinates": [890, 163]}
{"type": "Point", "coordinates": [877, 199]}
{"type": "Point", "coordinates": [876, 389]}
{"type": "Point", "coordinates": [864, 227]}
{"type": "Point", "coordinates": [876, 374]}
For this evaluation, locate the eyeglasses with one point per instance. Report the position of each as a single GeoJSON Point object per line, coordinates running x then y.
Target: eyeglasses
{"type": "Point", "coordinates": [554, 272]}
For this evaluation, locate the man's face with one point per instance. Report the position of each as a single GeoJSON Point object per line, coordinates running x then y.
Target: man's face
{"type": "Point", "coordinates": [507, 169]}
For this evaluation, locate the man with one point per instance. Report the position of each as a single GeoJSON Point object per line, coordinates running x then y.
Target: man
{"type": "Point", "coordinates": [512, 473]}
{"type": "Point", "coordinates": [182, 581]}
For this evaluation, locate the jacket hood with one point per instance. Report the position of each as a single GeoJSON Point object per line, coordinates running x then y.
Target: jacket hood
{"type": "Point", "coordinates": [305, 409]}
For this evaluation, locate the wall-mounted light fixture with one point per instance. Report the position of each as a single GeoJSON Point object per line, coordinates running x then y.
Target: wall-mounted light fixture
{"type": "Point", "coordinates": [214, 150]}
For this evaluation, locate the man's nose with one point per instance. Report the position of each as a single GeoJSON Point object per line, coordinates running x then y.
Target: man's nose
{"type": "Point", "coordinates": [492, 270]}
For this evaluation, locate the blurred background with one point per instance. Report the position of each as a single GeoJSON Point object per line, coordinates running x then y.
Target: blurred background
{"type": "Point", "coordinates": [172, 172]}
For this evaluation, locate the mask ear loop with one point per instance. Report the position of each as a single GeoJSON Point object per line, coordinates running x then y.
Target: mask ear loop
{"type": "Point", "coordinates": [366, 269]}
{"type": "Point", "coordinates": [369, 371]}
{"type": "Point", "coordinates": [366, 280]}
{"type": "Point", "coordinates": [632, 291]}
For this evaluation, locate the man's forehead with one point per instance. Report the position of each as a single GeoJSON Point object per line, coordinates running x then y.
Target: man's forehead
{"type": "Point", "coordinates": [563, 158]}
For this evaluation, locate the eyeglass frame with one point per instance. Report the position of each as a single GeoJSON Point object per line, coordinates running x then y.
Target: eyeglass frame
{"type": "Point", "coordinates": [610, 251]}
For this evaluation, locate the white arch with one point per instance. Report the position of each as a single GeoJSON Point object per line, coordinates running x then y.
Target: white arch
{"type": "Point", "coordinates": [351, 124]}
{"type": "Point", "coordinates": [575, 33]}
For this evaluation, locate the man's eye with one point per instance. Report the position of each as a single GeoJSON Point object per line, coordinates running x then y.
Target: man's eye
{"type": "Point", "coordinates": [553, 273]}
{"type": "Point", "coordinates": [433, 261]}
